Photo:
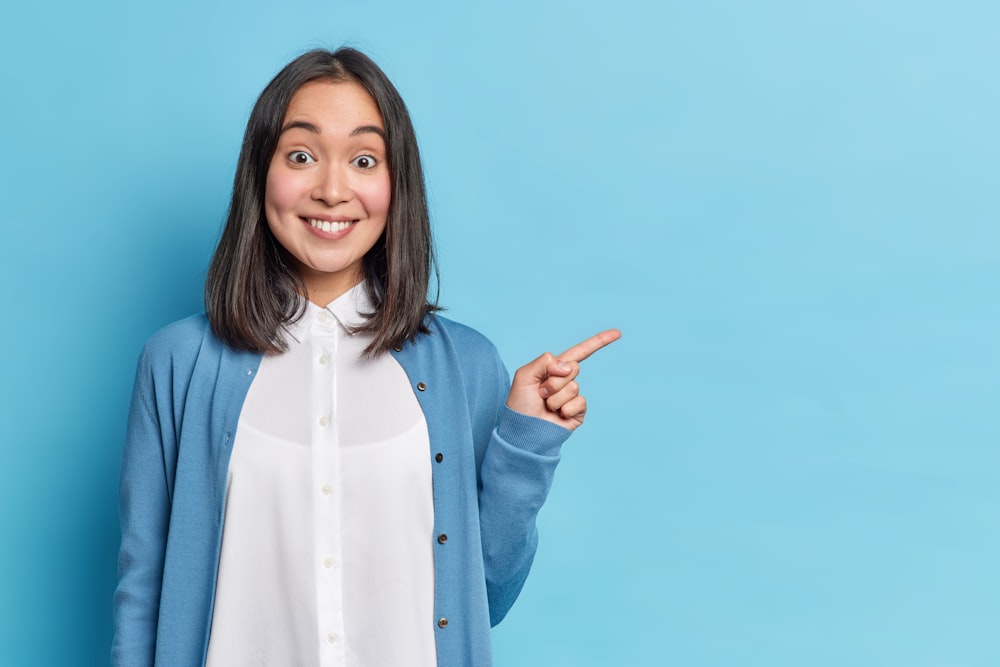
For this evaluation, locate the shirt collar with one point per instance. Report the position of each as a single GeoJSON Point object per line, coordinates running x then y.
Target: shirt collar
{"type": "Point", "coordinates": [348, 311]}
{"type": "Point", "coordinates": [351, 308]}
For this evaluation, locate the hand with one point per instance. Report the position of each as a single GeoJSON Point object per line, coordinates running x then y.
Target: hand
{"type": "Point", "coordinates": [547, 388]}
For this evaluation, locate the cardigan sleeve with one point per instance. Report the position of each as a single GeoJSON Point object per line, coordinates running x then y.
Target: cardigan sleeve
{"type": "Point", "coordinates": [515, 477]}
{"type": "Point", "coordinates": [144, 510]}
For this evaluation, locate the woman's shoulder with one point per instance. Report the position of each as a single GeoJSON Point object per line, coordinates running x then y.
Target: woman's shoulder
{"type": "Point", "coordinates": [183, 342]}
{"type": "Point", "coordinates": [181, 348]}
{"type": "Point", "coordinates": [454, 350]}
{"type": "Point", "coordinates": [462, 336]}
{"type": "Point", "coordinates": [179, 335]}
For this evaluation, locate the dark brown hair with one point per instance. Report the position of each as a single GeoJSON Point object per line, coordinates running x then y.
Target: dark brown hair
{"type": "Point", "coordinates": [252, 290]}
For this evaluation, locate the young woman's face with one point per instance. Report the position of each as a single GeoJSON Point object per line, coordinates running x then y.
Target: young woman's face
{"type": "Point", "coordinates": [328, 186]}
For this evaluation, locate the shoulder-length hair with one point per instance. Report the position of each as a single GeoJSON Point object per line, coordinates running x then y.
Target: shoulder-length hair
{"type": "Point", "coordinates": [253, 287]}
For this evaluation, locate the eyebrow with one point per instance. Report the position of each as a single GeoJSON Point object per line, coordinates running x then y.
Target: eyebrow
{"type": "Point", "coordinates": [364, 129]}
{"type": "Point", "coordinates": [309, 127]}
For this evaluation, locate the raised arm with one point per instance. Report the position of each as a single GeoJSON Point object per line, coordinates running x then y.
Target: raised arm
{"type": "Point", "coordinates": [542, 408]}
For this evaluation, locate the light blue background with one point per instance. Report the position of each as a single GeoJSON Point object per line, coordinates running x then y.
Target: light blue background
{"type": "Point", "coordinates": [790, 208]}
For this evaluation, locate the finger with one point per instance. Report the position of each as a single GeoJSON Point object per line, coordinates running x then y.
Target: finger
{"type": "Point", "coordinates": [557, 400]}
{"type": "Point", "coordinates": [582, 350]}
{"type": "Point", "coordinates": [575, 409]}
{"type": "Point", "coordinates": [559, 375]}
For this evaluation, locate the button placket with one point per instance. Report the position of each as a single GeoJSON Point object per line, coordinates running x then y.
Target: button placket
{"type": "Point", "coordinates": [326, 470]}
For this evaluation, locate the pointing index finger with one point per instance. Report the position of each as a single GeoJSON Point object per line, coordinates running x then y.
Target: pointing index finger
{"type": "Point", "coordinates": [581, 351]}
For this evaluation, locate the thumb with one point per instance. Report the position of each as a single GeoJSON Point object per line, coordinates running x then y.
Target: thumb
{"type": "Point", "coordinates": [535, 371]}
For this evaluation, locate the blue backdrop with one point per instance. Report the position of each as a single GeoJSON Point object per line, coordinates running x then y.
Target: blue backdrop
{"type": "Point", "coordinates": [790, 209]}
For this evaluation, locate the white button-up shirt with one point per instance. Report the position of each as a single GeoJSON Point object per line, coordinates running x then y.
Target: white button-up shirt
{"type": "Point", "coordinates": [327, 555]}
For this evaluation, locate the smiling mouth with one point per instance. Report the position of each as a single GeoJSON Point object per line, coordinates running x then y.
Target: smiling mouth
{"type": "Point", "coordinates": [327, 226]}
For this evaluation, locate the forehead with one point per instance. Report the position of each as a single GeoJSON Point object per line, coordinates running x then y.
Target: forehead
{"type": "Point", "coordinates": [334, 105]}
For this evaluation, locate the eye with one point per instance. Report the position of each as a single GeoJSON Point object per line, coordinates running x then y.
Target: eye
{"type": "Point", "coordinates": [300, 157]}
{"type": "Point", "coordinates": [364, 162]}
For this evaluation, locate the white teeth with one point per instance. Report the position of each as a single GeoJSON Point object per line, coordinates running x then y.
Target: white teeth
{"type": "Point", "coordinates": [327, 226]}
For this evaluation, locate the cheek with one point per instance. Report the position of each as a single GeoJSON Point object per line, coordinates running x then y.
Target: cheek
{"type": "Point", "coordinates": [378, 196]}
{"type": "Point", "coordinates": [280, 193]}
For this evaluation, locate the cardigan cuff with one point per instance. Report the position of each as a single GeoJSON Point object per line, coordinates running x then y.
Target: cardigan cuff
{"type": "Point", "coordinates": [531, 434]}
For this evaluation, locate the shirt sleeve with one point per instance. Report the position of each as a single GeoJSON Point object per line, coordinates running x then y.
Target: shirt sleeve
{"type": "Point", "coordinates": [515, 477]}
{"type": "Point", "coordinates": [144, 510]}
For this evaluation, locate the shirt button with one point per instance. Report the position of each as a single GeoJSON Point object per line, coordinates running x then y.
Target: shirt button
{"type": "Point", "coordinates": [323, 317]}
{"type": "Point", "coordinates": [324, 360]}
{"type": "Point", "coordinates": [439, 457]}
{"type": "Point", "coordinates": [442, 538]}
{"type": "Point", "coordinates": [442, 622]}
{"type": "Point", "coordinates": [327, 562]}
{"type": "Point", "coordinates": [325, 489]}
{"type": "Point", "coordinates": [422, 386]}
{"type": "Point", "coordinates": [331, 637]}
{"type": "Point", "coordinates": [323, 421]}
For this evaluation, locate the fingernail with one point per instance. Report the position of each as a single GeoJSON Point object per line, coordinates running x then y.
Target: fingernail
{"type": "Point", "coordinates": [544, 392]}
{"type": "Point", "coordinates": [563, 365]}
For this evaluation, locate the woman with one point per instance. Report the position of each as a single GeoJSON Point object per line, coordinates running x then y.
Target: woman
{"type": "Point", "coordinates": [320, 470]}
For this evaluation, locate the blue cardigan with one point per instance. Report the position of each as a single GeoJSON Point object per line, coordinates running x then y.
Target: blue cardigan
{"type": "Point", "coordinates": [492, 469]}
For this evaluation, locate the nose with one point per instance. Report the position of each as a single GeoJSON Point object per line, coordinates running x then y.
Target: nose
{"type": "Point", "coordinates": [332, 186]}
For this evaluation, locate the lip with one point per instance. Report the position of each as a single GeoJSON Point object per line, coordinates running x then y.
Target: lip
{"type": "Point", "coordinates": [329, 227]}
